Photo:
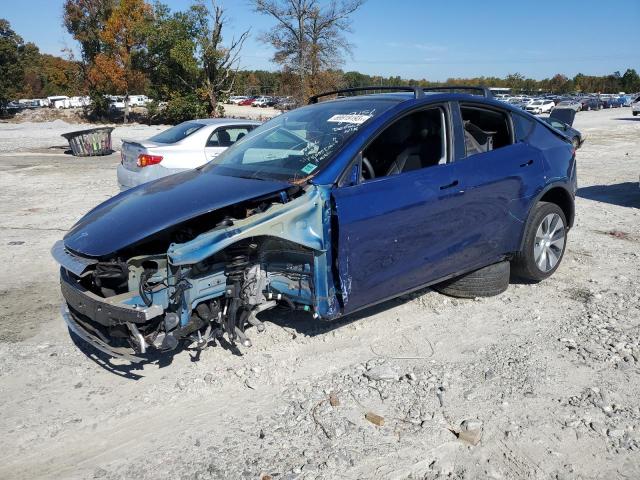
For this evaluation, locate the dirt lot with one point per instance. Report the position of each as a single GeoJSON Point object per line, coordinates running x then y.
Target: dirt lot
{"type": "Point", "coordinates": [546, 376]}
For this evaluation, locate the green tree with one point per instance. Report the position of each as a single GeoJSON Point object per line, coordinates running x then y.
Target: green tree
{"type": "Point", "coordinates": [171, 54]}
{"type": "Point", "coordinates": [85, 20]}
{"type": "Point", "coordinates": [11, 66]}
{"type": "Point", "coordinates": [118, 65]}
{"type": "Point", "coordinates": [630, 81]}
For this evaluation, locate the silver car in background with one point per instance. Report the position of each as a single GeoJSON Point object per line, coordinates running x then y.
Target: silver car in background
{"type": "Point", "coordinates": [182, 147]}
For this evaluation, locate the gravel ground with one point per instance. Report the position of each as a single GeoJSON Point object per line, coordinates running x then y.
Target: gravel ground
{"type": "Point", "coordinates": [541, 382]}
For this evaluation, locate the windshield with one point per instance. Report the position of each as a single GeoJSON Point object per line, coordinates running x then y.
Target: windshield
{"type": "Point", "coordinates": [177, 133]}
{"type": "Point", "coordinates": [297, 144]}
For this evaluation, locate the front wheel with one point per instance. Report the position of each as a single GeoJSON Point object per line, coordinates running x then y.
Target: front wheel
{"type": "Point", "coordinates": [544, 243]}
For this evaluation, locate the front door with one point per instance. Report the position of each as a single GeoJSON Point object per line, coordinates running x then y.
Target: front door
{"type": "Point", "coordinates": [394, 225]}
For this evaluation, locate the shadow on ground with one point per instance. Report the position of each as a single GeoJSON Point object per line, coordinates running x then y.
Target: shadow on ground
{"type": "Point", "coordinates": [294, 323]}
{"type": "Point", "coordinates": [629, 119]}
{"type": "Point", "coordinates": [625, 194]}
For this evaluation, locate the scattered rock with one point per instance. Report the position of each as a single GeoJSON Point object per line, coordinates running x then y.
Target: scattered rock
{"type": "Point", "coordinates": [598, 427]}
{"type": "Point", "coordinates": [615, 433]}
{"type": "Point", "coordinates": [99, 473]}
{"type": "Point", "coordinates": [374, 418]}
{"type": "Point", "coordinates": [470, 436]}
{"type": "Point", "coordinates": [468, 425]}
{"type": "Point", "coordinates": [381, 374]}
{"type": "Point", "coordinates": [334, 401]}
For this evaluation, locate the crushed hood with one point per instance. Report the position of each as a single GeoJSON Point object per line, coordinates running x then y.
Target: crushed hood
{"type": "Point", "coordinates": [140, 212]}
{"type": "Point", "coordinates": [564, 115]}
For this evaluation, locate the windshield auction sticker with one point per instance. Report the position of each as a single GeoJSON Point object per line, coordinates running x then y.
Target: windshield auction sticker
{"type": "Point", "coordinates": [357, 119]}
{"type": "Point", "coordinates": [308, 168]}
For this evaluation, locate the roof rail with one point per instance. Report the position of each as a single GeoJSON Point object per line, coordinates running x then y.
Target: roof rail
{"type": "Point", "coordinates": [417, 91]}
{"type": "Point", "coordinates": [484, 91]}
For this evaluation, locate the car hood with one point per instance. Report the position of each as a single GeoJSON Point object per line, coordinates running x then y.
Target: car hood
{"type": "Point", "coordinates": [564, 115]}
{"type": "Point", "coordinates": [140, 212]}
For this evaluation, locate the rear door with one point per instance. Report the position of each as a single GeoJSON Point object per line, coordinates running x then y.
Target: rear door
{"type": "Point", "coordinates": [222, 138]}
{"type": "Point", "coordinates": [498, 184]}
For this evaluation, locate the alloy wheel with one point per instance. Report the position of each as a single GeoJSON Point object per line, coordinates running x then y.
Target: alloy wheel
{"type": "Point", "coordinates": [549, 242]}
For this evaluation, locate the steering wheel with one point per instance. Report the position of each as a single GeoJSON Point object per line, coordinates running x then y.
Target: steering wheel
{"type": "Point", "coordinates": [369, 168]}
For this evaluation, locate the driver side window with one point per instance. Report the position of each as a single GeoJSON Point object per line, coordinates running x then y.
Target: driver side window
{"type": "Point", "coordinates": [416, 141]}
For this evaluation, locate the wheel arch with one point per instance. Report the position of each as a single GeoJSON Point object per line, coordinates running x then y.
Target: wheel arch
{"type": "Point", "coordinates": [557, 194]}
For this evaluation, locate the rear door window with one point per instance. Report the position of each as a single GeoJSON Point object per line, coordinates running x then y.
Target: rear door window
{"type": "Point", "coordinates": [227, 136]}
{"type": "Point", "coordinates": [522, 127]}
{"type": "Point", "coordinates": [484, 129]}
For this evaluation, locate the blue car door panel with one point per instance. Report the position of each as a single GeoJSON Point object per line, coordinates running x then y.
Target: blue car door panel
{"type": "Point", "coordinates": [395, 233]}
{"type": "Point", "coordinates": [498, 187]}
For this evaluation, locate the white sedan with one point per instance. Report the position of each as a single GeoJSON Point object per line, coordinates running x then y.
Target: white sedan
{"type": "Point", "coordinates": [540, 106]}
{"type": "Point", "coordinates": [183, 147]}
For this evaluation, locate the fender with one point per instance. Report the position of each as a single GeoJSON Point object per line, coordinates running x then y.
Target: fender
{"type": "Point", "coordinates": [564, 185]}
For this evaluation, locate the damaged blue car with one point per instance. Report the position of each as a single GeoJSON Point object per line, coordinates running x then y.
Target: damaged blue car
{"type": "Point", "coordinates": [330, 208]}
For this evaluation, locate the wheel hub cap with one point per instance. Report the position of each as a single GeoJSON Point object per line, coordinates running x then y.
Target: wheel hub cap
{"type": "Point", "coordinates": [549, 243]}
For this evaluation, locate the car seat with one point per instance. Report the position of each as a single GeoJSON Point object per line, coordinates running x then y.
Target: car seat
{"type": "Point", "coordinates": [477, 140]}
{"type": "Point", "coordinates": [224, 139]}
{"type": "Point", "coordinates": [425, 150]}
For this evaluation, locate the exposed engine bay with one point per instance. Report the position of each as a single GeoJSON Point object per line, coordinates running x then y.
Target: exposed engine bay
{"type": "Point", "coordinates": [210, 283]}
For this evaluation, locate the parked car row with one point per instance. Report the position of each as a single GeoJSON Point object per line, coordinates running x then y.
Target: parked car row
{"type": "Point", "coordinates": [263, 101]}
{"type": "Point", "coordinates": [545, 104]}
{"type": "Point", "coordinates": [63, 101]}
{"type": "Point", "coordinates": [117, 102]}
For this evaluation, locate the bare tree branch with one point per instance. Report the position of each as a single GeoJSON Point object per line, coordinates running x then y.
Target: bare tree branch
{"type": "Point", "coordinates": [308, 38]}
{"type": "Point", "coordinates": [220, 63]}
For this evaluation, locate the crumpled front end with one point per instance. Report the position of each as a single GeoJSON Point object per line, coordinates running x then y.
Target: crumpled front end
{"type": "Point", "coordinates": [213, 285]}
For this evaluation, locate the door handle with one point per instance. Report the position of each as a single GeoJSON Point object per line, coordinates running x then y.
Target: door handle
{"type": "Point", "coordinates": [526, 164]}
{"type": "Point", "coordinates": [452, 184]}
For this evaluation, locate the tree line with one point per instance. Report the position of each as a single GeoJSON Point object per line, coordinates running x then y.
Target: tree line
{"type": "Point", "coordinates": [186, 59]}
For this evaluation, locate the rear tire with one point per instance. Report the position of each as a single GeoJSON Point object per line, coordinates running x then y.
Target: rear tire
{"type": "Point", "coordinates": [545, 241]}
{"type": "Point", "coordinates": [485, 282]}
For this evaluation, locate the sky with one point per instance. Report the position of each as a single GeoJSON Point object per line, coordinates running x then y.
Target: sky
{"type": "Point", "coordinates": [428, 39]}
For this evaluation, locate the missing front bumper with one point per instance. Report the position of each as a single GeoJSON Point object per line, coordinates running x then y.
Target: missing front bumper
{"type": "Point", "coordinates": [81, 330]}
{"type": "Point", "coordinates": [105, 311]}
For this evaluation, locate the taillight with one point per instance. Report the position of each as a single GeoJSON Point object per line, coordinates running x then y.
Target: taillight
{"type": "Point", "coordinates": [144, 160]}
